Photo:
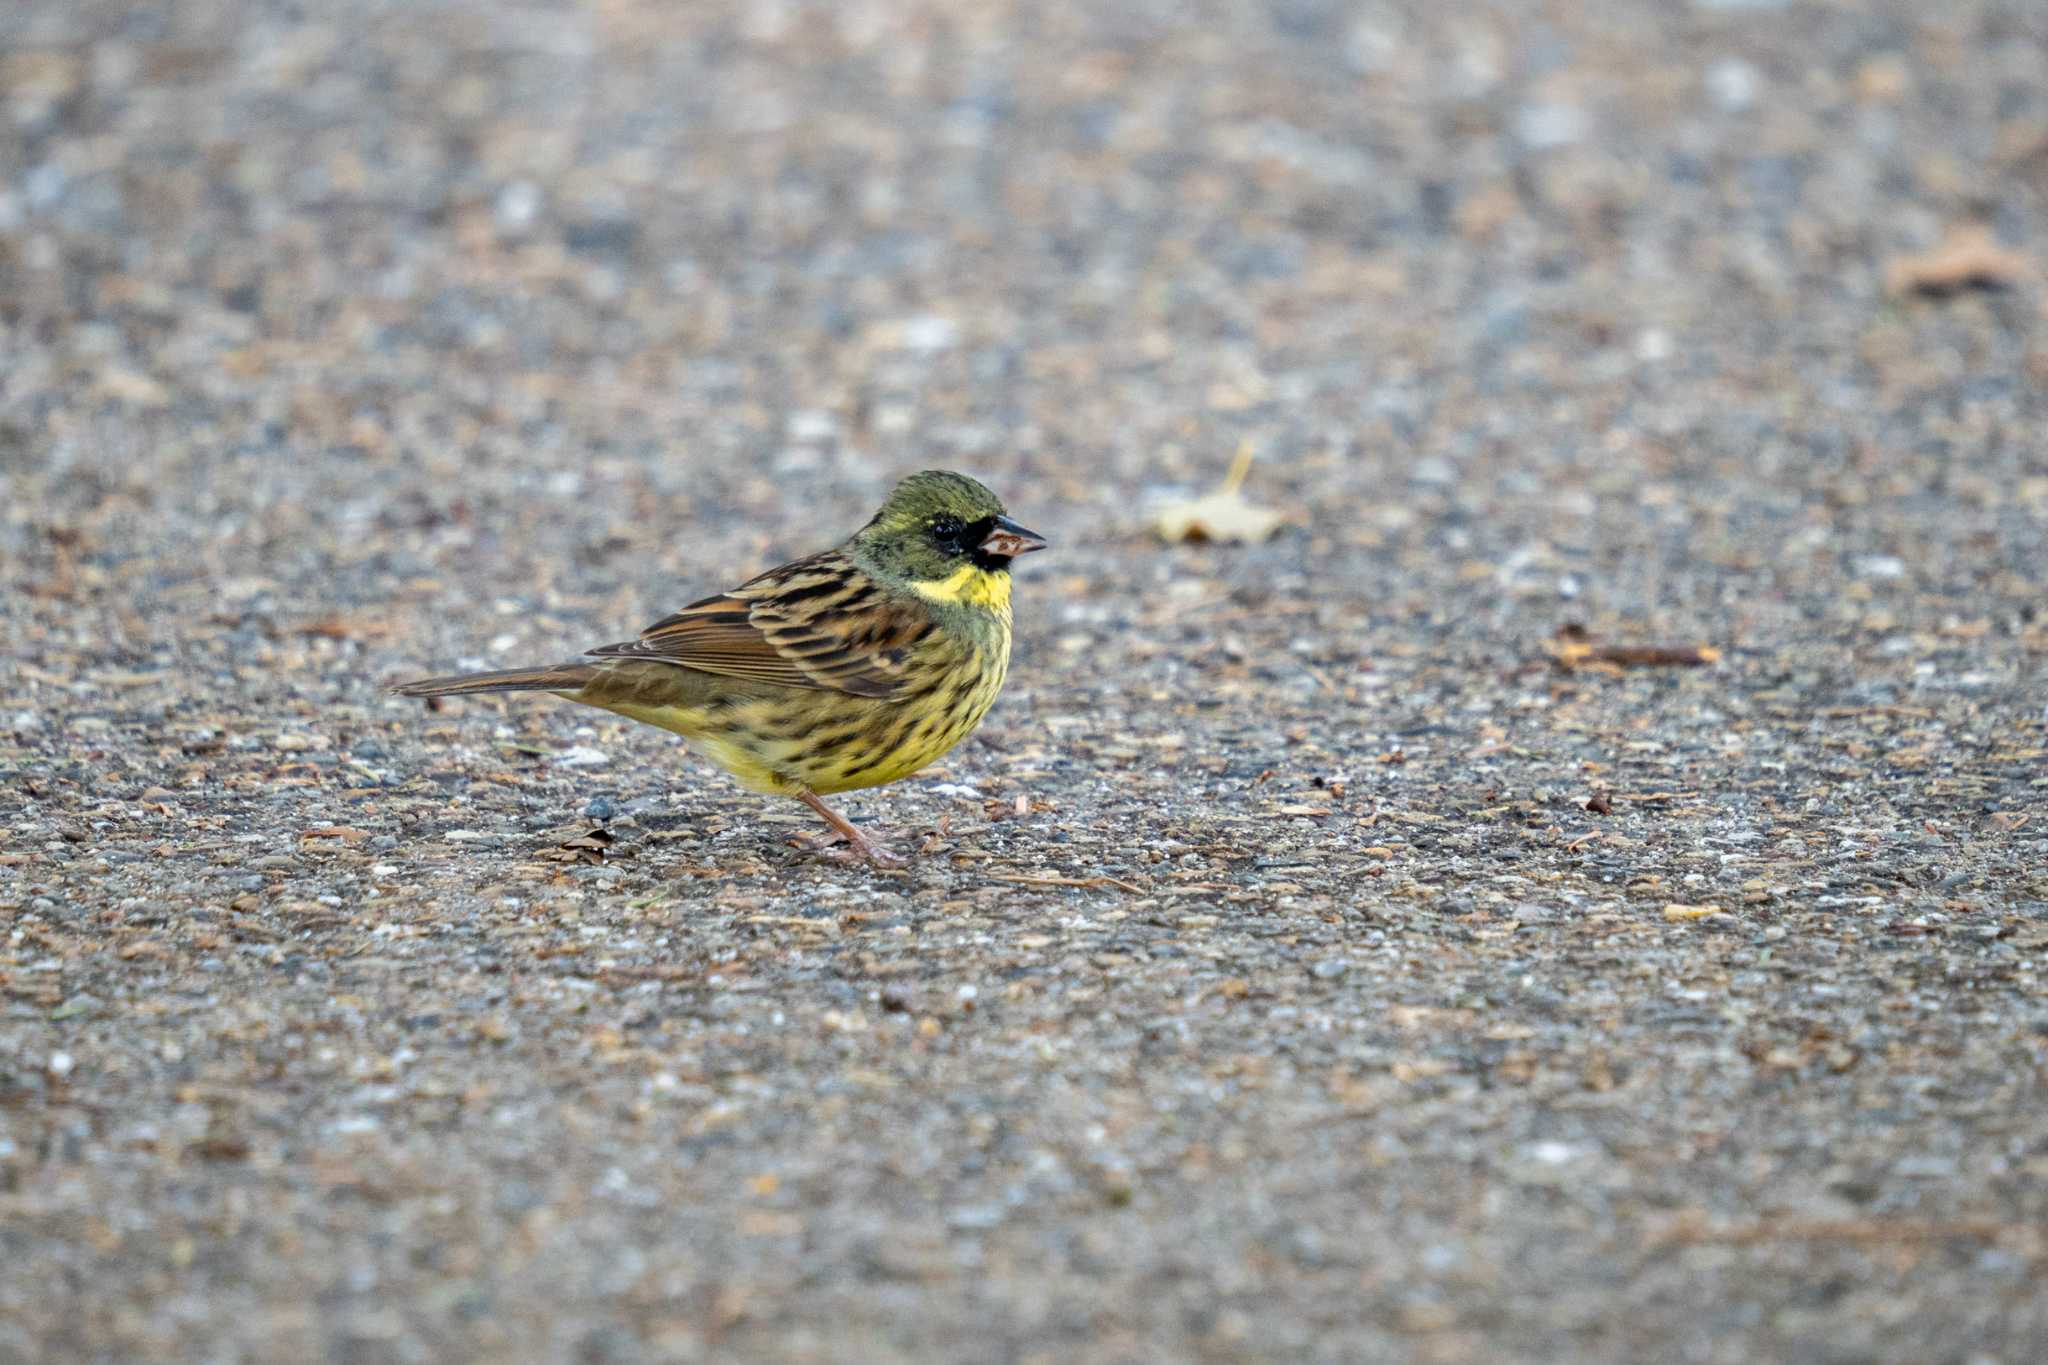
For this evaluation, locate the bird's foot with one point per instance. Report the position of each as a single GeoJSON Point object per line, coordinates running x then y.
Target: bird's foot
{"type": "Point", "coordinates": [856, 844]}
{"type": "Point", "coordinates": [838, 848]}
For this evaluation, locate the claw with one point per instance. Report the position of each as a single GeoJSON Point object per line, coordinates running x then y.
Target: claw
{"type": "Point", "coordinates": [837, 848]}
{"type": "Point", "coordinates": [846, 843]}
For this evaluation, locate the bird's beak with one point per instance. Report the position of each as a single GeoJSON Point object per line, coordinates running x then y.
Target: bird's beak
{"type": "Point", "coordinates": [1008, 540]}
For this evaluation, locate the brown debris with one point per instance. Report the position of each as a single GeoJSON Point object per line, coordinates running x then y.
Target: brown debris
{"type": "Point", "coordinates": [1020, 879]}
{"type": "Point", "coordinates": [1697, 1229]}
{"type": "Point", "coordinates": [347, 628]}
{"type": "Point", "coordinates": [1573, 648]}
{"type": "Point", "coordinates": [590, 848]}
{"type": "Point", "coordinates": [347, 834]}
{"type": "Point", "coordinates": [1969, 256]}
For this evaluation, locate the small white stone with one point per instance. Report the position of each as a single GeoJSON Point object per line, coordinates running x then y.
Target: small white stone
{"type": "Point", "coordinates": [1732, 84]}
{"type": "Point", "coordinates": [1543, 126]}
{"type": "Point", "coordinates": [930, 334]}
{"type": "Point", "coordinates": [812, 425]}
{"type": "Point", "coordinates": [518, 204]}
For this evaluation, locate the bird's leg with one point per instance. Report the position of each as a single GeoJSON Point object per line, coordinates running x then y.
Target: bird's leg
{"type": "Point", "coordinates": [855, 840]}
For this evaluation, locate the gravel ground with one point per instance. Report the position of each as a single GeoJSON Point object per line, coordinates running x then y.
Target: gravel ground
{"type": "Point", "coordinates": [1324, 950]}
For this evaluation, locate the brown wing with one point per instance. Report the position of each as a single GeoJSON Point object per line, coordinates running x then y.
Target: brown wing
{"type": "Point", "coordinates": [819, 623]}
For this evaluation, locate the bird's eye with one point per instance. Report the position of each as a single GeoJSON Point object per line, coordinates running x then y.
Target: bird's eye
{"type": "Point", "coordinates": [946, 532]}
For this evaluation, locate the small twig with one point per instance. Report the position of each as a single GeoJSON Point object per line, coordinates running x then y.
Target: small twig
{"type": "Point", "coordinates": [632, 973]}
{"type": "Point", "coordinates": [1021, 879]}
{"type": "Point", "coordinates": [1869, 1231]}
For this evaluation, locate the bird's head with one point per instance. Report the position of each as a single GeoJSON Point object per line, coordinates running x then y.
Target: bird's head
{"type": "Point", "coordinates": [942, 535]}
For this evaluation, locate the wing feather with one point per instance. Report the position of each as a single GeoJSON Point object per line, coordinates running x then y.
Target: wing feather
{"type": "Point", "coordinates": [819, 623]}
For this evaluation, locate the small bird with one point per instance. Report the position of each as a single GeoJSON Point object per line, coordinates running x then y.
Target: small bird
{"type": "Point", "coordinates": [842, 670]}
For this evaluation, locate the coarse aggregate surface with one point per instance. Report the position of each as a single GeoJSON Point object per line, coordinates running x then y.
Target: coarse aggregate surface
{"type": "Point", "coordinates": [1320, 953]}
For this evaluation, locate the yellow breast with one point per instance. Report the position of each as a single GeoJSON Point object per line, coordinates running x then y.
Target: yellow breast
{"type": "Point", "coordinates": [949, 695]}
{"type": "Point", "coordinates": [784, 740]}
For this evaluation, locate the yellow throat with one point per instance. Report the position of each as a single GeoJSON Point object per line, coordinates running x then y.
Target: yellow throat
{"type": "Point", "coordinates": [967, 586]}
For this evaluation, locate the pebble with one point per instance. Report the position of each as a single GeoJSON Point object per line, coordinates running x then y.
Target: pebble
{"type": "Point", "coordinates": [1733, 84]}
{"type": "Point", "coordinates": [517, 206]}
{"type": "Point", "coordinates": [1542, 127]}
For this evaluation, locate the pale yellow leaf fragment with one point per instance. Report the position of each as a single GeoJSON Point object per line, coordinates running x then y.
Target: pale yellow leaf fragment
{"type": "Point", "coordinates": [1680, 913]}
{"type": "Point", "coordinates": [1222, 516]}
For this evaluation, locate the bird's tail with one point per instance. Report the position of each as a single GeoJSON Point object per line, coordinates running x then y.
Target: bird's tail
{"type": "Point", "coordinates": [555, 678]}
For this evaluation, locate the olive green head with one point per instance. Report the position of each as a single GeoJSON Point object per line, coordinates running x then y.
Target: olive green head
{"type": "Point", "coordinates": [937, 523]}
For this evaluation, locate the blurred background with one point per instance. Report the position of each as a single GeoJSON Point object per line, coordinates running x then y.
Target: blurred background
{"type": "Point", "coordinates": [1322, 951]}
{"type": "Point", "coordinates": [1570, 295]}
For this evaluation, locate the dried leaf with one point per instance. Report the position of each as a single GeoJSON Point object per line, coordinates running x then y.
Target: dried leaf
{"type": "Point", "coordinates": [348, 834]}
{"type": "Point", "coordinates": [590, 848]}
{"type": "Point", "coordinates": [346, 628]}
{"type": "Point", "coordinates": [1968, 257]}
{"type": "Point", "coordinates": [1573, 647]}
{"type": "Point", "coordinates": [1222, 516]}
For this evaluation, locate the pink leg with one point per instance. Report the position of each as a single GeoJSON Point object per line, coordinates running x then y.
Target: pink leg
{"type": "Point", "coordinates": [855, 840]}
